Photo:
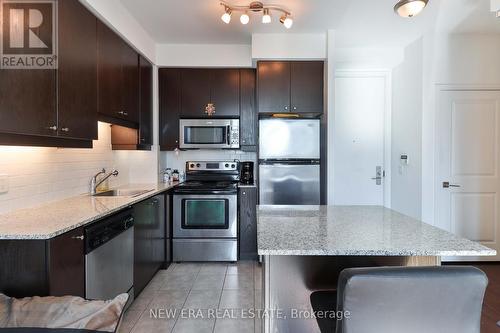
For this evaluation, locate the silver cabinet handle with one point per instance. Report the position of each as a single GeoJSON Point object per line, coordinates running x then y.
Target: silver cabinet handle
{"type": "Point", "coordinates": [65, 129]}
{"type": "Point", "coordinates": [52, 128]}
{"type": "Point", "coordinates": [448, 185]}
{"type": "Point", "coordinates": [123, 113]}
{"type": "Point", "coordinates": [78, 237]}
{"type": "Point", "coordinates": [286, 107]}
{"type": "Point", "coordinates": [294, 108]}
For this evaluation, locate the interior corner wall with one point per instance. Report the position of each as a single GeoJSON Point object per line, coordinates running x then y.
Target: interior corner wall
{"type": "Point", "coordinates": [406, 125]}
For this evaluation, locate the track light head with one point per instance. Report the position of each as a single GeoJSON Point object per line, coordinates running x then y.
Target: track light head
{"type": "Point", "coordinates": [226, 17]}
{"type": "Point", "coordinates": [286, 21]}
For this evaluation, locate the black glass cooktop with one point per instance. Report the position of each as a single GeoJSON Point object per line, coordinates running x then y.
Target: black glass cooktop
{"type": "Point", "coordinates": [207, 186]}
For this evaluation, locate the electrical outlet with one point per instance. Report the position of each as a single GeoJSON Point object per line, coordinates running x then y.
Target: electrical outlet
{"type": "Point", "coordinates": [4, 183]}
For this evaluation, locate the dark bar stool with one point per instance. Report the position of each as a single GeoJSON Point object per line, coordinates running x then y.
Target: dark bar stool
{"type": "Point", "coordinates": [404, 299]}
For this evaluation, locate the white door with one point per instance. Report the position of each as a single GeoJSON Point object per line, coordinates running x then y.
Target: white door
{"type": "Point", "coordinates": [360, 112]}
{"type": "Point", "coordinates": [467, 166]}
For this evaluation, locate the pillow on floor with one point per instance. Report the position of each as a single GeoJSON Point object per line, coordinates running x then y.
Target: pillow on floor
{"type": "Point", "coordinates": [61, 312]}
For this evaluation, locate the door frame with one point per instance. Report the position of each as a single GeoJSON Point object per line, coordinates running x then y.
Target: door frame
{"type": "Point", "coordinates": [387, 76]}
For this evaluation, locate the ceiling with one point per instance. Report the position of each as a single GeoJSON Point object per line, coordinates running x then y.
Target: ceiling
{"type": "Point", "coordinates": [367, 23]}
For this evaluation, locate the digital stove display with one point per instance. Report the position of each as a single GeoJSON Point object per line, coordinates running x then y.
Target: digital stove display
{"type": "Point", "coordinates": [212, 165]}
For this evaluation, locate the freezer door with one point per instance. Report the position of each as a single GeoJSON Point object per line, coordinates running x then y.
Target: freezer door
{"type": "Point", "coordinates": [285, 184]}
{"type": "Point", "coordinates": [289, 138]}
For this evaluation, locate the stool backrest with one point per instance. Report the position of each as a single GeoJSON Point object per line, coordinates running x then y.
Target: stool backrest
{"type": "Point", "coordinates": [411, 299]}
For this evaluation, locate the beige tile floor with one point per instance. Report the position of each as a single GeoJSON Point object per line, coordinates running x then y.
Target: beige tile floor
{"type": "Point", "coordinates": [219, 296]}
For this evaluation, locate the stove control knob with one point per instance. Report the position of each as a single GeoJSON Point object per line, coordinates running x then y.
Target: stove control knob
{"type": "Point", "coordinates": [191, 165]}
{"type": "Point", "coordinates": [233, 166]}
{"type": "Point", "coordinates": [226, 165]}
{"type": "Point", "coordinates": [198, 165]}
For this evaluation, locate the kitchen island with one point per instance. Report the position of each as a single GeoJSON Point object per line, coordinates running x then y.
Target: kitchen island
{"type": "Point", "coordinates": [304, 248]}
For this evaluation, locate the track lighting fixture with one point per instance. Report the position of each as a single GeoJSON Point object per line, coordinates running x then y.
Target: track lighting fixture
{"type": "Point", "coordinates": [226, 17]}
{"type": "Point", "coordinates": [257, 7]}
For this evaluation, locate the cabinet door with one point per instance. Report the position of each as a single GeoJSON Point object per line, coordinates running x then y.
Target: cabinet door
{"type": "Point", "coordinates": [77, 71]}
{"type": "Point", "coordinates": [307, 86]}
{"type": "Point", "coordinates": [248, 117]}
{"type": "Point", "coordinates": [170, 107]}
{"type": "Point", "coordinates": [273, 86]}
{"type": "Point", "coordinates": [146, 119]}
{"type": "Point", "coordinates": [248, 222]}
{"type": "Point", "coordinates": [130, 84]}
{"type": "Point", "coordinates": [66, 264]}
{"type": "Point", "coordinates": [109, 61]}
{"type": "Point", "coordinates": [225, 92]}
{"type": "Point", "coordinates": [143, 219]}
{"type": "Point", "coordinates": [158, 233]}
{"type": "Point", "coordinates": [195, 92]}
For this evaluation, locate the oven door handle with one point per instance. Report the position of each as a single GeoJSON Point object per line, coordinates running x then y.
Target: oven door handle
{"type": "Point", "coordinates": [228, 133]}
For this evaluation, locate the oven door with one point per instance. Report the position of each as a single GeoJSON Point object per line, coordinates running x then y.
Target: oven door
{"type": "Point", "coordinates": [205, 216]}
{"type": "Point", "coordinates": [209, 133]}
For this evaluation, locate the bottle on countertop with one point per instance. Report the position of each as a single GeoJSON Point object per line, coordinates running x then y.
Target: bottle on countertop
{"type": "Point", "coordinates": [167, 175]}
{"type": "Point", "coordinates": [175, 175]}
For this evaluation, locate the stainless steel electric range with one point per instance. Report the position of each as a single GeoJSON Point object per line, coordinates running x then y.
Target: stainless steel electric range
{"type": "Point", "coordinates": [205, 213]}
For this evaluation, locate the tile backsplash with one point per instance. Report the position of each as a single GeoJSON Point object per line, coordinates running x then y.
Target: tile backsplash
{"type": "Point", "coordinates": [38, 175]}
{"type": "Point", "coordinates": [178, 161]}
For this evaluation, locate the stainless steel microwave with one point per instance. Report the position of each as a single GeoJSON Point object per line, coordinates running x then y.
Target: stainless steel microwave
{"type": "Point", "coordinates": [209, 133]}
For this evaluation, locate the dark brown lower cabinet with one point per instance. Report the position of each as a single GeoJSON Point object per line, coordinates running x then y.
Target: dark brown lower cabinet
{"type": "Point", "coordinates": [53, 267]}
{"type": "Point", "coordinates": [149, 240]}
{"type": "Point", "coordinates": [248, 222]}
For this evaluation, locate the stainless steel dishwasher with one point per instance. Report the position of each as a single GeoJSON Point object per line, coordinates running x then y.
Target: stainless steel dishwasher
{"type": "Point", "coordinates": [109, 257]}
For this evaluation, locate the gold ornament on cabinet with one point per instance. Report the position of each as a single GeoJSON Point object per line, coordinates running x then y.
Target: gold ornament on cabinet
{"type": "Point", "coordinates": [210, 109]}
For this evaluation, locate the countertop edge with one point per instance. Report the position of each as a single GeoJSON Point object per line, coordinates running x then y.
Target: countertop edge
{"type": "Point", "coordinates": [133, 200]}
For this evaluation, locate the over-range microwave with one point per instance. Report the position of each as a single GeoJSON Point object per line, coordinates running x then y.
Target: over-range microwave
{"type": "Point", "coordinates": [209, 133]}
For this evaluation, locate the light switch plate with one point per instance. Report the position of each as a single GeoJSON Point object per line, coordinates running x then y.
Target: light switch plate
{"type": "Point", "coordinates": [4, 183]}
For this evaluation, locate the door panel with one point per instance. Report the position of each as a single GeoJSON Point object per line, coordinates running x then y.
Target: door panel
{"type": "Point", "coordinates": [77, 71]}
{"type": "Point", "coordinates": [307, 86]}
{"type": "Point", "coordinates": [248, 117]}
{"type": "Point", "coordinates": [359, 139]}
{"type": "Point", "coordinates": [195, 92]}
{"type": "Point", "coordinates": [282, 184]}
{"type": "Point", "coordinates": [298, 138]}
{"type": "Point", "coordinates": [273, 86]}
{"type": "Point", "coordinates": [130, 81]}
{"type": "Point", "coordinates": [225, 92]}
{"type": "Point", "coordinates": [468, 125]}
{"type": "Point", "coordinates": [109, 71]}
{"type": "Point", "coordinates": [146, 109]}
{"type": "Point", "coordinates": [170, 107]}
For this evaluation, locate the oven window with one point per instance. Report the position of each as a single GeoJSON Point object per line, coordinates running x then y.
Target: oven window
{"type": "Point", "coordinates": [205, 135]}
{"type": "Point", "coordinates": [205, 213]}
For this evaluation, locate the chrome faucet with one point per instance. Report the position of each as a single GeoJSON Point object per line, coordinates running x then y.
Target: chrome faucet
{"type": "Point", "coordinates": [94, 184]}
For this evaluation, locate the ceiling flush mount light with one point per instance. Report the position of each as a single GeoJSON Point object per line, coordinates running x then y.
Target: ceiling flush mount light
{"type": "Point", "coordinates": [257, 7]}
{"type": "Point", "coordinates": [410, 8]}
{"type": "Point", "coordinates": [226, 17]}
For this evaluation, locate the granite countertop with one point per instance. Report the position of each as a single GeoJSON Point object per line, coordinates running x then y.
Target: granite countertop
{"type": "Point", "coordinates": [56, 218]}
{"type": "Point", "coordinates": [353, 231]}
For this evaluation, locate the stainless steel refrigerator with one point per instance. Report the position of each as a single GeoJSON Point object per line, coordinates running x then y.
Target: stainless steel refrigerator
{"type": "Point", "coordinates": [289, 161]}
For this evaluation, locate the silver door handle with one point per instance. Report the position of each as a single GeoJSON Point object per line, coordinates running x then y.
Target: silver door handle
{"type": "Point", "coordinates": [448, 185]}
{"type": "Point", "coordinates": [52, 128]}
{"type": "Point", "coordinates": [78, 237]}
{"type": "Point", "coordinates": [65, 129]}
{"type": "Point", "coordinates": [123, 113]}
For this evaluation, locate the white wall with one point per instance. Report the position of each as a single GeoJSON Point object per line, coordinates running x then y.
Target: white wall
{"type": "Point", "coordinates": [39, 175]}
{"type": "Point", "coordinates": [289, 46]}
{"type": "Point", "coordinates": [119, 18]}
{"type": "Point", "coordinates": [462, 60]}
{"type": "Point", "coordinates": [407, 85]}
{"type": "Point", "coordinates": [204, 55]}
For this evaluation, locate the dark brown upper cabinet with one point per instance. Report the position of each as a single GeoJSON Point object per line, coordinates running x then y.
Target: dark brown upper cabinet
{"type": "Point", "coordinates": [126, 138]}
{"type": "Point", "coordinates": [51, 107]}
{"type": "Point", "coordinates": [118, 79]}
{"type": "Point", "coordinates": [202, 86]}
{"type": "Point", "coordinates": [77, 71]}
{"type": "Point", "coordinates": [146, 100]}
{"type": "Point", "coordinates": [170, 107]}
{"type": "Point", "coordinates": [248, 110]}
{"type": "Point", "coordinates": [290, 86]}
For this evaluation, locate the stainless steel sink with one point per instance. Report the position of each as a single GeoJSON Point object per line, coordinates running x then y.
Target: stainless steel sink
{"type": "Point", "coordinates": [122, 193]}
